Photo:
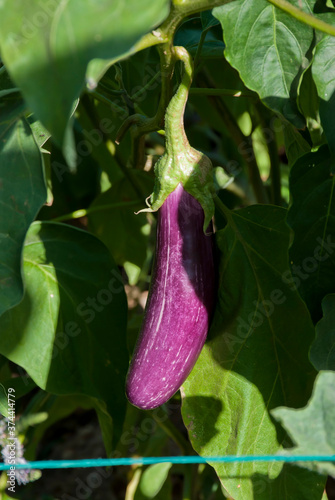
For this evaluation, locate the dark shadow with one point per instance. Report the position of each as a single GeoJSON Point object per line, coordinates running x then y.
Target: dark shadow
{"type": "Point", "coordinates": [301, 483]}
{"type": "Point", "coordinates": [90, 355]}
{"type": "Point", "coordinates": [208, 406]}
{"type": "Point", "coordinates": [15, 321]}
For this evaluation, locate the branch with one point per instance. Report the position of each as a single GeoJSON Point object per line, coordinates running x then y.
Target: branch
{"type": "Point", "coordinates": [302, 16]}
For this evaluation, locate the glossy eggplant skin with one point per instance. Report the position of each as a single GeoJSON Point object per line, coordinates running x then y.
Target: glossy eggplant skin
{"type": "Point", "coordinates": [179, 305]}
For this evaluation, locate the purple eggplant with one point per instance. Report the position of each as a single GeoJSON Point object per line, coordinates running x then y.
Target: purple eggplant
{"type": "Point", "coordinates": [179, 305]}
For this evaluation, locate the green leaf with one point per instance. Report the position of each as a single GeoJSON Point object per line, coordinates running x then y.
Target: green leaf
{"type": "Point", "coordinates": [96, 69]}
{"type": "Point", "coordinates": [152, 481]}
{"type": "Point", "coordinates": [68, 332]}
{"type": "Point", "coordinates": [323, 70]}
{"type": "Point", "coordinates": [255, 359]}
{"type": "Point", "coordinates": [189, 34]}
{"type": "Point", "coordinates": [122, 231]}
{"type": "Point", "coordinates": [322, 352]}
{"type": "Point", "coordinates": [313, 428]}
{"type": "Point", "coordinates": [47, 46]}
{"type": "Point", "coordinates": [22, 194]}
{"type": "Point", "coordinates": [312, 218]}
{"type": "Point", "coordinates": [268, 48]}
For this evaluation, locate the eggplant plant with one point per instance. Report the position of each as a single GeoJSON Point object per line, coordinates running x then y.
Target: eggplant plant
{"type": "Point", "coordinates": [181, 297]}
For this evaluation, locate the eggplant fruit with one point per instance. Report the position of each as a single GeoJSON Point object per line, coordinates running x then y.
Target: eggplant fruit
{"type": "Point", "coordinates": [179, 305]}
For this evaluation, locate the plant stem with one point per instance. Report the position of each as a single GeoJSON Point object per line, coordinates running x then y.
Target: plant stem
{"type": "Point", "coordinates": [188, 7]}
{"type": "Point", "coordinates": [140, 125]}
{"type": "Point", "coordinates": [199, 49]}
{"type": "Point", "coordinates": [187, 485]}
{"type": "Point", "coordinates": [302, 16]}
{"type": "Point", "coordinates": [83, 212]}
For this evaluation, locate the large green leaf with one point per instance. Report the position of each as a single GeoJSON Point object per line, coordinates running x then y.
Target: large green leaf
{"type": "Point", "coordinates": [268, 48]}
{"type": "Point", "coordinates": [322, 352]}
{"type": "Point", "coordinates": [312, 218]}
{"type": "Point", "coordinates": [323, 70]}
{"type": "Point", "coordinates": [22, 193]}
{"type": "Point", "coordinates": [47, 46]}
{"type": "Point", "coordinates": [313, 428]}
{"type": "Point", "coordinates": [255, 359]}
{"type": "Point", "coordinates": [68, 332]}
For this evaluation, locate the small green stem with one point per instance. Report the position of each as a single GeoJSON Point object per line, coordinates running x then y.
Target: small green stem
{"type": "Point", "coordinates": [175, 137]}
{"type": "Point", "coordinates": [141, 125]}
{"type": "Point", "coordinates": [167, 61]}
{"type": "Point", "coordinates": [302, 16]}
{"type": "Point", "coordinates": [187, 486]}
{"type": "Point", "coordinates": [188, 7]}
{"type": "Point", "coordinates": [83, 212]}
{"type": "Point", "coordinates": [148, 40]}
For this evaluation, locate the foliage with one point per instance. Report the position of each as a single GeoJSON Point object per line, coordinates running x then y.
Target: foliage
{"type": "Point", "coordinates": [84, 88]}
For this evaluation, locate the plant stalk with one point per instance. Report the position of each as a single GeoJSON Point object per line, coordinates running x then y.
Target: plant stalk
{"type": "Point", "coordinates": [304, 17]}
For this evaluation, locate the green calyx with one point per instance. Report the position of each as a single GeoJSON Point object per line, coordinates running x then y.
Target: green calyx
{"type": "Point", "coordinates": [193, 170]}
{"type": "Point", "coordinates": [181, 163]}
